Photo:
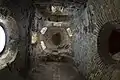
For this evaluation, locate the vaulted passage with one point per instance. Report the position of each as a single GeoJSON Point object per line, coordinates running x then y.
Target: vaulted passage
{"type": "Point", "coordinates": [109, 43]}
{"type": "Point", "coordinates": [60, 39]}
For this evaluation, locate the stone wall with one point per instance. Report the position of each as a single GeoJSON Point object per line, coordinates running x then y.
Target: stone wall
{"type": "Point", "coordinates": [86, 26]}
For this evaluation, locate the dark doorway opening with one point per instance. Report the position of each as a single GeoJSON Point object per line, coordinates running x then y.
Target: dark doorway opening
{"type": "Point", "coordinates": [56, 39]}
{"type": "Point", "coordinates": [114, 42]}
{"type": "Point", "coordinates": [109, 43]}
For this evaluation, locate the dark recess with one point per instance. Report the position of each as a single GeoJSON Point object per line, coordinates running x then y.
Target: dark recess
{"type": "Point", "coordinates": [56, 39]}
{"type": "Point", "coordinates": [114, 42]}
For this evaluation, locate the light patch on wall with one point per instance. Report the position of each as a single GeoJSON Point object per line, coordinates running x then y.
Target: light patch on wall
{"type": "Point", "coordinates": [43, 30]}
{"type": "Point", "coordinates": [43, 45]}
{"type": "Point", "coordinates": [34, 37]}
{"type": "Point", "coordinates": [57, 8]}
{"type": "Point", "coordinates": [2, 39]}
{"type": "Point", "coordinates": [3, 20]}
{"type": "Point", "coordinates": [69, 32]}
{"type": "Point", "coordinates": [52, 23]}
{"type": "Point", "coordinates": [53, 9]}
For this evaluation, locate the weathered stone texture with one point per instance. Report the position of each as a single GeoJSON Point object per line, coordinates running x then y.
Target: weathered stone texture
{"type": "Point", "coordinates": [86, 26]}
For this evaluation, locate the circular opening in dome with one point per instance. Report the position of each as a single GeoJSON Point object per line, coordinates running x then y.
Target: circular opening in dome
{"type": "Point", "coordinates": [56, 39]}
{"type": "Point", "coordinates": [114, 44]}
{"type": "Point", "coordinates": [2, 39]}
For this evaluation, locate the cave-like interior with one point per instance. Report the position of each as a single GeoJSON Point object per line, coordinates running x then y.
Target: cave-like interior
{"type": "Point", "coordinates": [59, 40]}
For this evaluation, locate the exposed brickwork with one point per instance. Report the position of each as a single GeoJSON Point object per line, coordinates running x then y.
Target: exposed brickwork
{"type": "Point", "coordinates": [86, 28]}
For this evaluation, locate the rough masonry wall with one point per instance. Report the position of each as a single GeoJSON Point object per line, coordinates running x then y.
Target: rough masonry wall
{"type": "Point", "coordinates": [86, 26]}
{"type": "Point", "coordinates": [20, 11]}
